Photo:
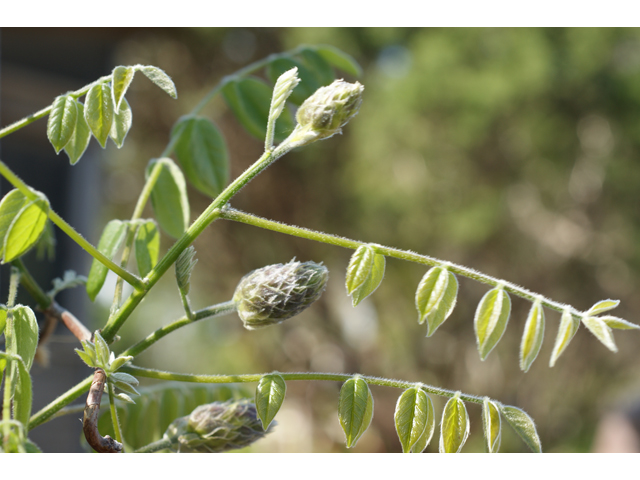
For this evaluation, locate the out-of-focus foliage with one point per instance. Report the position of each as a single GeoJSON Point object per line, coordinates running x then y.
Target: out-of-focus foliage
{"type": "Point", "coordinates": [513, 151]}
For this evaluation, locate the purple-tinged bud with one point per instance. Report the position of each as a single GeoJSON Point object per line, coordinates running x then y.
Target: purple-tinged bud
{"type": "Point", "coordinates": [272, 294]}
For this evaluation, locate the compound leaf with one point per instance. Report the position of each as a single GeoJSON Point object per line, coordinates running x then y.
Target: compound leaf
{"type": "Point", "coordinates": [532, 336]}
{"type": "Point", "coordinates": [99, 112]}
{"type": "Point", "coordinates": [355, 409]}
{"type": "Point", "coordinates": [491, 319]}
{"type": "Point", "coordinates": [364, 273]}
{"type": "Point", "coordinates": [202, 153]}
{"type": "Point", "coordinates": [110, 241]}
{"type": "Point", "coordinates": [169, 197]}
{"type": "Point", "coordinates": [436, 297]}
{"type": "Point", "coordinates": [62, 121]}
{"type": "Point", "coordinates": [454, 428]}
{"type": "Point", "coordinates": [523, 424]}
{"type": "Point", "coordinates": [269, 397]}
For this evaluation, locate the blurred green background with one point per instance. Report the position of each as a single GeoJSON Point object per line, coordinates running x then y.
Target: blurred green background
{"type": "Point", "coordinates": [511, 151]}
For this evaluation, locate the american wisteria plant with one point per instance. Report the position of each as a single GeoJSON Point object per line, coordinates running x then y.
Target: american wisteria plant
{"type": "Point", "coordinates": [199, 419]}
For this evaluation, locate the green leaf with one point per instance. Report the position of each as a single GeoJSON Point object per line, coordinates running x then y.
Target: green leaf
{"type": "Point", "coordinates": [424, 440]}
{"type": "Point", "coordinates": [86, 358]}
{"type": "Point", "coordinates": [22, 333]}
{"type": "Point", "coordinates": [319, 66]}
{"type": "Point", "coordinates": [169, 198]}
{"type": "Point", "coordinates": [454, 428]}
{"type": "Point", "coordinates": [26, 228]}
{"type": "Point", "coordinates": [102, 351]}
{"type": "Point", "coordinates": [532, 336]}
{"type": "Point", "coordinates": [364, 273]}
{"type": "Point", "coordinates": [491, 425]}
{"type": "Point", "coordinates": [126, 387]}
{"type": "Point", "coordinates": [79, 141]}
{"type": "Point", "coordinates": [603, 306]}
{"type": "Point", "coordinates": [601, 331]}
{"type": "Point", "coordinates": [269, 397]}
{"type": "Point", "coordinates": [184, 266]}
{"type": "Point", "coordinates": [121, 123]}
{"type": "Point", "coordinates": [413, 417]}
{"type": "Point", "coordinates": [491, 319]}
{"type": "Point", "coordinates": [69, 279]}
{"type": "Point", "coordinates": [523, 425]}
{"type": "Point", "coordinates": [3, 319]}
{"type": "Point", "coordinates": [110, 241]}
{"type": "Point", "coordinates": [23, 396]}
{"type": "Point", "coordinates": [340, 60]}
{"type": "Point", "coordinates": [147, 247]}
{"type": "Point", "coordinates": [124, 377]}
{"type": "Point", "coordinates": [567, 329]}
{"type": "Point", "coordinates": [618, 323]}
{"type": "Point", "coordinates": [62, 121]}
{"type": "Point", "coordinates": [160, 78]}
{"type": "Point", "coordinates": [202, 153]}
{"type": "Point", "coordinates": [355, 409]}
{"type": "Point", "coordinates": [436, 297]}
{"type": "Point", "coordinates": [99, 112]}
{"type": "Point", "coordinates": [250, 100]}
{"type": "Point", "coordinates": [121, 78]}
{"type": "Point", "coordinates": [308, 81]}
{"type": "Point", "coordinates": [10, 206]}
{"type": "Point", "coordinates": [118, 363]}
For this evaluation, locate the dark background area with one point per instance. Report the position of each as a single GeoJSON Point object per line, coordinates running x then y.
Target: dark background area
{"type": "Point", "coordinates": [511, 151]}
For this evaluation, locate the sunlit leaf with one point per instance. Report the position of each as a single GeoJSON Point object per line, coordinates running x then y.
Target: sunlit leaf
{"type": "Point", "coordinates": [22, 334]}
{"type": "Point", "coordinates": [86, 358]}
{"type": "Point", "coordinates": [364, 273]}
{"type": "Point", "coordinates": [169, 197]}
{"type": "Point", "coordinates": [110, 241]}
{"type": "Point", "coordinates": [269, 397]}
{"type": "Point", "coordinates": [603, 306]}
{"type": "Point", "coordinates": [355, 409]}
{"type": "Point", "coordinates": [532, 336]}
{"type": "Point", "coordinates": [523, 424]}
{"type": "Point", "coordinates": [121, 123]}
{"type": "Point", "coordinates": [454, 428]}
{"type": "Point", "coordinates": [436, 297]}
{"type": "Point", "coordinates": [202, 153]}
{"type": "Point", "coordinates": [23, 396]}
{"type": "Point", "coordinates": [427, 435]}
{"type": "Point", "coordinates": [413, 416]}
{"type": "Point", "coordinates": [62, 121]}
{"type": "Point", "coordinates": [25, 229]}
{"type": "Point", "coordinates": [491, 319]}
{"type": "Point", "coordinates": [567, 329]}
{"type": "Point", "coordinates": [121, 78]}
{"type": "Point", "coordinates": [160, 78]}
{"type": "Point", "coordinates": [11, 204]}
{"type": "Point", "coordinates": [147, 247]}
{"type": "Point", "coordinates": [124, 377]}
{"type": "Point", "coordinates": [339, 59]}
{"type": "Point", "coordinates": [79, 141]}
{"type": "Point", "coordinates": [601, 331]}
{"type": "Point", "coordinates": [491, 425]}
{"type": "Point", "coordinates": [618, 323]}
{"type": "Point", "coordinates": [99, 112]}
{"type": "Point", "coordinates": [318, 65]}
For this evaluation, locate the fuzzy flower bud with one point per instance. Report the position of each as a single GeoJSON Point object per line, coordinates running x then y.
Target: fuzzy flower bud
{"type": "Point", "coordinates": [216, 427]}
{"type": "Point", "coordinates": [274, 293]}
{"type": "Point", "coordinates": [326, 111]}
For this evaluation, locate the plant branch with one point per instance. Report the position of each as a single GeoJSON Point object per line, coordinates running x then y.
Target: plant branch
{"type": "Point", "coordinates": [156, 446]}
{"type": "Point", "coordinates": [249, 378]}
{"type": "Point", "coordinates": [114, 413]}
{"type": "Point", "coordinates": [63, 400]}
{"type": "Point", "coordinates": [229, 213]}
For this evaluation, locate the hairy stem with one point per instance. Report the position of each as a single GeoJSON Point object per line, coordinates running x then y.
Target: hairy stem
{"type": "Point", "coordinates": [114, 413]}
{"type": "Point", "coordinates": [336, 377]}
{"type": "Point", "coordinates": [229, 213]}
{"type": "Point", "coordinates": [63, 400]}
{"type": "Point", "coordinates": [156, 446]}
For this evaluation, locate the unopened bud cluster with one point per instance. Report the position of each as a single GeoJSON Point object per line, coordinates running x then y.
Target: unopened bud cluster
{"type": "Point", "coordinates": [216, 427]}
{"type": "Point", "coordinates": [275, 293]}
{"type": "Point", "coordinates": [325, 112]}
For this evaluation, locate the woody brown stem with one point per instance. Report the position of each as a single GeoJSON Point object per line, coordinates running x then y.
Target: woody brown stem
{"type": "Point", "coordinates": [90, 422]}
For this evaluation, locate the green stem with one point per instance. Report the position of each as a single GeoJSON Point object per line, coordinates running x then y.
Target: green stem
{"type": "Point", "coordinates": [249, 378]}
{"type": "Point", "coordinates": [30, 285]}
{"type": "Point", "coordinates": [114, 413]}
{"type": "Point", "coordinates": [156, 446]}
{"type": "Point", "coordinates": [209, 312]}
{"type": "Point", "coordinates": [229, 213]}
{"type": "Point", "coordinates": [69, 230]}
{"type": "Point", "coordinates": [65, 399]}
{"type": "Point", "coordinates": [14, 279]}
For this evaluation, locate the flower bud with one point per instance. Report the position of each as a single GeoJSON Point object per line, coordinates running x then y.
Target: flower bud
{"type": "Point", "coordinates": [216, 427]}
{"type": "Point", "coordinates": [326, 111]}
{"type": "Point", "coordinates": [274, 293]}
